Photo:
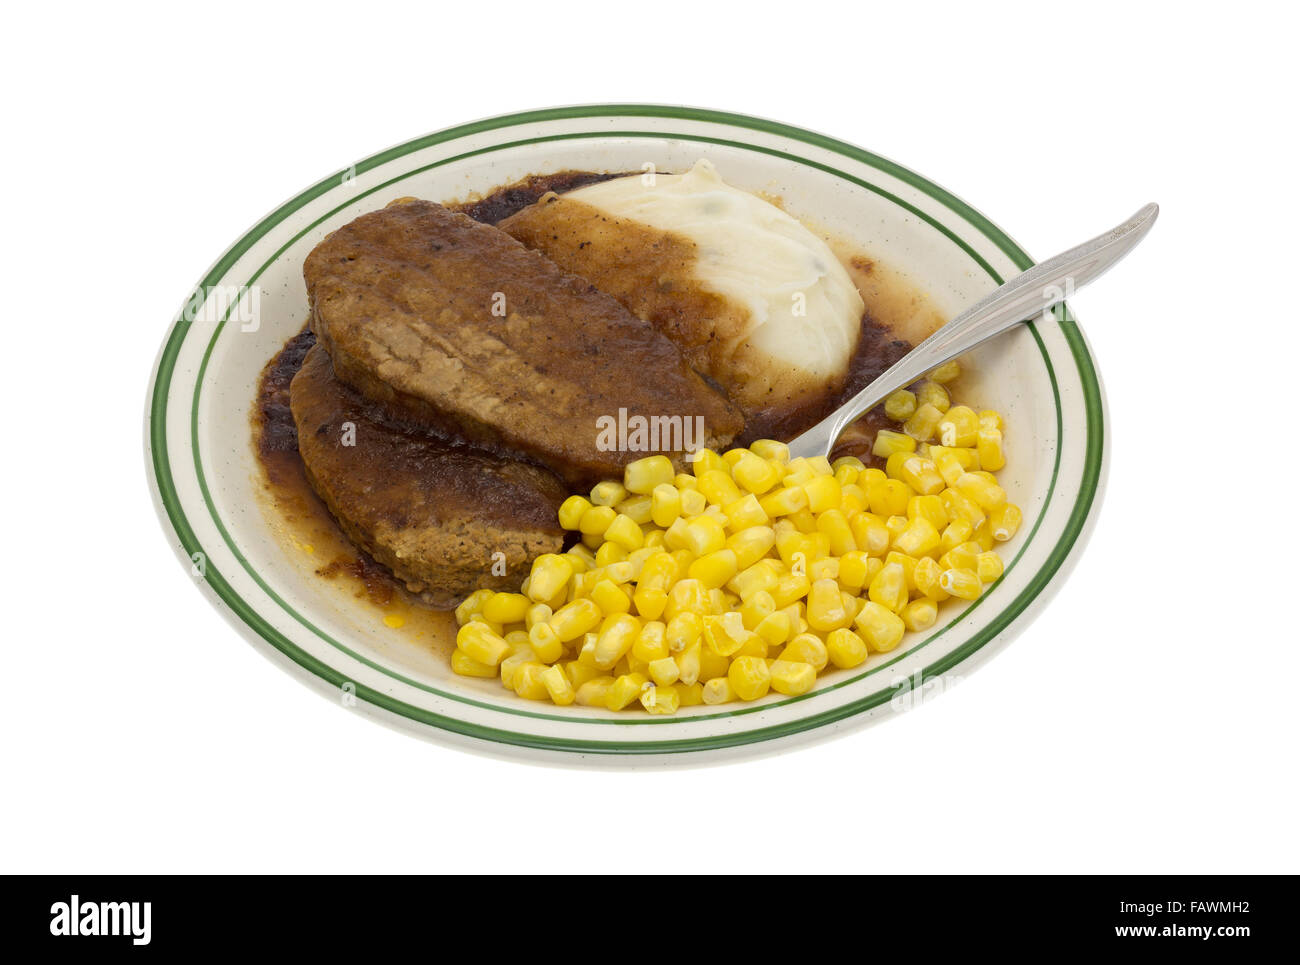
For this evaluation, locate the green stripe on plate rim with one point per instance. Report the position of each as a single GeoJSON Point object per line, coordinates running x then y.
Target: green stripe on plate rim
{"type": "Point", "coordinates": [248, 614]}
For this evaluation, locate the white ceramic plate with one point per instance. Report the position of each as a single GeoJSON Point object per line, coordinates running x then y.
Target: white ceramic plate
{"type": "Point", "coordinates": [205, 476]}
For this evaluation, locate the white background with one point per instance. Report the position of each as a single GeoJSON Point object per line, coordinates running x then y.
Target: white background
{"type": "Point", "coordinates": [1145, 722]}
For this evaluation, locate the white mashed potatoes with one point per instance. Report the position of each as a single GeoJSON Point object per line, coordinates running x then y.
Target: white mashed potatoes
{"type": "Point", "coordinates": [804, 311]}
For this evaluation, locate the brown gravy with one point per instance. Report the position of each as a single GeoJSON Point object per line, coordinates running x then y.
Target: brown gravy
{"type": "Point", "coordinates": [307, 528]}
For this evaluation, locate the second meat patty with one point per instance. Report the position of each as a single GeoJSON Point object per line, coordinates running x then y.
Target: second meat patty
{"type": "Point", "coordinates": [456, 324]}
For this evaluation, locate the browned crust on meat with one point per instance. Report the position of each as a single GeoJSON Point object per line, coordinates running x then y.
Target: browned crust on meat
{"type": "Point", "coordinates": [432, 512]}
{"type": "Point", "coordinates": [403, 299]}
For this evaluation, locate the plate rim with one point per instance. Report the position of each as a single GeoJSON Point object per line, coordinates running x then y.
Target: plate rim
{"type": "Point", "coordinates": [168, 501]}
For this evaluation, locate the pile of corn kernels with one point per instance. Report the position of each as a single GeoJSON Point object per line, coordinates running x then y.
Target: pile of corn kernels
{"type": "Point", "coordinates": [754, 573]}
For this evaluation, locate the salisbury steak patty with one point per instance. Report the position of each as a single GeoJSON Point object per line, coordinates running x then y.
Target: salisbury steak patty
{"type": "Point", "coordinates": [433, 513]}
{"type": "Point", "coordinates": [457, 325]}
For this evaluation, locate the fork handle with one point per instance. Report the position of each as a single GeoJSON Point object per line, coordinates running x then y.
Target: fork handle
{"type": "Point", "coordinates": [1037, 290]}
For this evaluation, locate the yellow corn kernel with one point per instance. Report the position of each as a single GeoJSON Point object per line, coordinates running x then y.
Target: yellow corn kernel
{"type": "Point", "coordinates": [755, 473]}
{"type": "Point", "coordinates": [683, 630]}
{"type": "Point", "coordinates": [660, 699]}
{"type": "Point", "coordinates": [744, 513]}
{"type": "Point", "coordinates": [687, 596]}
{"type": "Point", "coordinates": [528, 683]}
{"type": "Point", "coordinates": [983, 537]}
{"type": "Point", "coordinates": [594, 692]}
{"type": "Point", "coordinates": [754, 646]}
{"type": "Point", "coordinates": [932, 393]}
{"type": "Point", "coordinates": [625, 532]}
{"type": "Point", "coordinates": [853, 499]}
{"type": "Point", "coordinates": [929, 508]}
{"type": "Point", "coordinates": [853, 570]}
{"type": "Point", "coordinates": [480, 643]}
{"type": "Point", "coordinates": [465, 665]}
{"type": "Point", "coordinates": [664, 671]}
{"type": "Point", "coordinates": [689, 695]}
{"type": "Point", "coordinates": [545, 642]}
{"type": "Point", "coordinates": [954, 534]}
{"type": "Point", "coordinates": [643, 475]}
{"type": "Point", "coordinates": [608, 493]}
{"type": "Point", "coordinates": [807, 648]}
{"type": "Point", "coordinates": [718, 691]}
{"type": "Point", "coordinates": [846, 474]}
{"type": "Point", "coordinates": [749, 677]}
{"type": "Point", "coordinates": [962, 556]}
{"type": "Point", "coordinates": [665, 505]}
{"type": "Point", "coordinates": [961, 507]}
{"type": "Point", "coordinates": [654, 538]}
{"type": "Point", "coordinates": [833, 523]}
{"type": "Point", "coordinates": [948, 372]}
{"type": "Point", "coordinates": [718, 487]}
{"type": "Point", "coordinates": [751, 545]}
{"type": "Point", "coordinates": [580, 558]}
{"type": "Point", "coordinates": [869, 533]}
{"type": "Point", "coordinates": [756, 607]}
{"type": "Point", "coordinates": [918, 538]}
{"type": "Point", "coordinates": [992, 419]}
{"type": "Point", "coordinates": [774, 628]}
{"type": "Point", "coordinates": [620, 571]}
{"type": "Point", "coordinates": [579, 673]}
{"type": "Point", "coordinates": [923, 423]}
{"type": "Point", "coordinates": [638, 508]}
{"type": "Point", "coordinates": [725, 634]}
{"type": "Point", "coordinates": [925, 575]}
{"type": "Point", "coordinates": [624, 690]}
{"type": "Point", "coordinates": [659, 572]}
{"type": "Point", "coordinates": [825, 608]}
{"type": "Point", "coordinates": [790, 587]}
{"type": "Point", "coordinates": [558, 686]}
{"type": "Point", "coordinates": [712, 665]}
{"type": "Point", "coordinates": [920, 614]}
{"type": "Point", "coordinates": [510, 665]}
{"type": "Point", "coordinates": [705, 460]}
{"type": "Point", "coordinates": [918, 472]}
{"type": "Point", "coordinates": [900, 405]}
{"type": "Point", "coordinates": [617, 635]}
{"type": "Point", "coordinates": [1004, 521]}
{"type": "Point", "coordinates": [889, 497]}
{"type": "Point", "coordinates": [610, 553]}
{"type": "Point", "coordinates": [471, 605]}
{"type": "Point", "coordinates": [572, 510]}
{"type": "Point", "coordinates": [771, 449]}
{"type": "Point", "coordinates": [981, 490]}
{"type": "Point", "coordinates": [792, 678]}
{"type": "Point", "coordinates": [823, 494]}
{"type": "Point", "coordinates": [889, 588]}
{"type": "Point", "coordinates": [845, 649]}
{"type": "Point", "coordinates": [948, 463]}
{"type": "Point", "coordinates": [596, 520]}
{"type": "Point", "coordinates": [805, 521]}
{"type": "Point", "coordinates": [761, 577]}
{"type": "Point", "coordinates": [575, 619]}
{"type": "Point", "coordinates": [880, 627]}
{"type": "Point", "coordinates": [610, 597]}
{"type": "Point", "coordinates": [537, 613]}
{"type": "Point", "coordinates": [959, 427]}
{"type": "Point", "coordinates": [652, 642]}
{"type": "Point", "coordinates": [506, 607]}
{"type": "Point", "coordinates": [888, 442]}
{"type": "Point", "coordinates": [988, 566]}
{"type": "Point", "coordinates": [783, 502]}
{"type": "Point", "coordinates": [961, 582]}
{"type": "Point", "coordinates": [826, 568]}
{"type": "Point", "coordinates": [714, 569]}
{"type": "Point", "coordinates": [693, 503]}
{"type": "Point", "coordinates": [989, 446]}
{"type": "Point", "coordinates": [688, 663]}
{"type": "Point", "coordinates": [704, 535]}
